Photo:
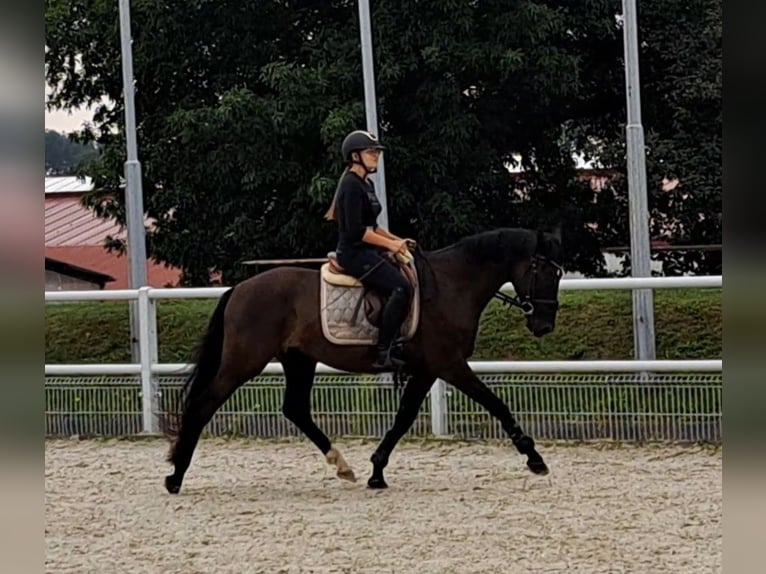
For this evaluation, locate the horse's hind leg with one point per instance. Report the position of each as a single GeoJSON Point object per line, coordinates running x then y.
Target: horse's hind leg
{"type": "Point", "coordinates": [196, 415]}
{"type": "Point", "coordinates": [464, 379]}
{"type": "Point", "coordinates": [299, 380]}
{"type": "Point", "coordinates": [200, 409]}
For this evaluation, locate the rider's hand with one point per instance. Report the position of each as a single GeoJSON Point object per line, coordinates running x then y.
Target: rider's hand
{"type": "Point", "coordinates": [398, 246]}
{"type": "Point", "coordinates": [410, 242]}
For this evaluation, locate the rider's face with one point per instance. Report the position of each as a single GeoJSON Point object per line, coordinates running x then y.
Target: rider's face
{"type": "Point", "coordinates": [370, 158]}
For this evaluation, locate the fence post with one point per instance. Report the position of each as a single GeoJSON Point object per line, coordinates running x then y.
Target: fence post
{"type": "Point", "coordinates": [439, 420]}
{"type": "Point", "coordinates": [147, 342]}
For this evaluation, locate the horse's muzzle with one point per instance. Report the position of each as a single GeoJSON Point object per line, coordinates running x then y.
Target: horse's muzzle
{"type": "Point", "coordinates": [542, 330]}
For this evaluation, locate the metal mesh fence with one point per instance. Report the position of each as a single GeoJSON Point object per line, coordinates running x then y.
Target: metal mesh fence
{"type": "Point", "coordinates": [662, 407]}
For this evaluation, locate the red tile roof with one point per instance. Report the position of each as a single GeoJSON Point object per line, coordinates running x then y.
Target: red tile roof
{"type": "Point", "coordinates": [69, 223]}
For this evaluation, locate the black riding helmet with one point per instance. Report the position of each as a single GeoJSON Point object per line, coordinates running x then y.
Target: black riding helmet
{"type": "Point", "coordinates": [359, 140]}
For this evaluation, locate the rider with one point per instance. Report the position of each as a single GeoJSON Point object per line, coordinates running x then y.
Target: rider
{"type": "Point", "coordinates": [362, 242]}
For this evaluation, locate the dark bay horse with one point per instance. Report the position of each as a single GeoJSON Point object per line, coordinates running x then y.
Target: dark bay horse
{"type": "Point", "coordinates": [276, 314]}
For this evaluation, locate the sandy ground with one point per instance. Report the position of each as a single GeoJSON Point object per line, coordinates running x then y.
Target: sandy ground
{"type": "Point", "coordinates": [277, 507]}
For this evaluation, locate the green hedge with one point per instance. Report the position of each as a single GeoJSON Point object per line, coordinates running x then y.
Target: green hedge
{"type": "Point", "coordinates": [591, 325]}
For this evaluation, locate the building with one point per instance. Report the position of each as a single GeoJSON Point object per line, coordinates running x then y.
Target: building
{"type": "Point", "coordinates": [61, 276]}
{"type": "Point", "coordinates": [75, 256]}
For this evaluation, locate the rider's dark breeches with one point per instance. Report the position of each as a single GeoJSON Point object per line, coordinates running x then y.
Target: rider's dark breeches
{"type": "Point", "coordinates": [385, 279]}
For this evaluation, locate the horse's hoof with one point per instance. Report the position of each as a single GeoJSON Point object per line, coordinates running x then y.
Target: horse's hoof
{"type": "Point", "coordinates": [347, 474]}
{"type": "Point", "coordinates": [538, 467]}
{"type": "Point", "coordinates": [376, 483]}
{"type": "Point", "coordinates": [172, 484]}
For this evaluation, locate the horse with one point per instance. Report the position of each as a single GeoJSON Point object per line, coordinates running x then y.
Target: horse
{"type": "Point", "coordinates": [276, 315]}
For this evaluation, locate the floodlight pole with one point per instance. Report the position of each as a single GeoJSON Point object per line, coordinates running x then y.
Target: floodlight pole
{"type": "Point", "coordinates": [640, 250]}
{"type": "Point", "coordinates": [370, 103]}
{"type": "Point", "coordinates": [134, 208]}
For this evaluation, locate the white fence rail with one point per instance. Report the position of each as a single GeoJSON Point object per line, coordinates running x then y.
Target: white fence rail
{"type": "Point", "coordinates": [483, 367]}
{"type": "Point", "coordinates": [149, 368]}
{"type": "Point", "coordinates": [620, 283]}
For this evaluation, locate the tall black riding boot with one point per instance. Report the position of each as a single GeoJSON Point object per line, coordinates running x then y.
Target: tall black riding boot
{"type": "Point", "coordinates": [394, 314]}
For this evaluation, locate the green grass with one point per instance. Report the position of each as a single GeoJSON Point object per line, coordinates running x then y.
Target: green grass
{"type": "Point", "coordinates": [595, 325]}
{"type": "Point", "coordinates": [591, 325]}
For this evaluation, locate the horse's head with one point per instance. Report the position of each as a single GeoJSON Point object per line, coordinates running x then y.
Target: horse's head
{"type": "Point", "coordinates": [536, 282]}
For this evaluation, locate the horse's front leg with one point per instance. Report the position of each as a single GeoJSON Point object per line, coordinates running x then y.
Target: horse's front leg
{"type": "Point", "coordinates": [461, 377]}
{"type": "Point", "coordinates": [409, 405]}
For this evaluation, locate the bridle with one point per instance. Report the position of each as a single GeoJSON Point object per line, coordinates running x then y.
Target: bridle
{"type": "Point", "coordinates": [528, 302]}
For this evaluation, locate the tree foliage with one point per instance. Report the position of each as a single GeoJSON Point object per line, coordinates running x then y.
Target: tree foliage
{"type": "Point", "coordinates": [681, 97]}
{"type": "Point", "coordinates": [241, 109]}
{"type": "Point", "coordinates": [685, 139]}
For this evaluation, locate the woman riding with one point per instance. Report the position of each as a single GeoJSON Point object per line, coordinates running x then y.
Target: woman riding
{"type": "Point", "coordinates": [362, 242]}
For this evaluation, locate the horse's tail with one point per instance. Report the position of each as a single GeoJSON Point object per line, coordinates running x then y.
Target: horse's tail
{"type": "Point", "coordinates": [207, 361]}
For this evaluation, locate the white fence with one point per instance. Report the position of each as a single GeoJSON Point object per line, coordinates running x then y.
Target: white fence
{"type": "Point", "coordinates": [149, 369]}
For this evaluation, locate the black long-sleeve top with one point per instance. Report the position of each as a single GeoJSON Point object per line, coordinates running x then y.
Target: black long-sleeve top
{"type": "Point", "coordinates": [357, 208]}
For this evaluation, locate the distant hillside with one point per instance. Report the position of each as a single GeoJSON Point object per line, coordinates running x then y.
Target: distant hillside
{"type": "Point", "coordinates": [62, 156]}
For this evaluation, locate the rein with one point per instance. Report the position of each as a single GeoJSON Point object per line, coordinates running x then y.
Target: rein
{"type": "Point", "coordinates": [527, 302]}
{"type": "Point", "coordinates": [526, 305]}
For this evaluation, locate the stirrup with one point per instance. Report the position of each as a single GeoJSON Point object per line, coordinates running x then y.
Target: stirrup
{"type": "Point", "coordinates": [385, 360]}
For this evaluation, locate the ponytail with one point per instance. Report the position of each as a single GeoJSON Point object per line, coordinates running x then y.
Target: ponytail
{"type": "Point", "coordinates": [331, 211]}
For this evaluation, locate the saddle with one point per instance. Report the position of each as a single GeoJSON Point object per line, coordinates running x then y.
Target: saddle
{"type": "Point", "coordinates": [351, 313]}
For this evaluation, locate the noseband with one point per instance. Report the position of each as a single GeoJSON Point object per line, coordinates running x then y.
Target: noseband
{"type": "Point", "coordinates": [528, 302]}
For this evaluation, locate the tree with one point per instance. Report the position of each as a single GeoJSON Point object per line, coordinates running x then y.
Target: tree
{"type": "Point", "coordinates": [241, 109]}
{"type": "Point", "coordinates": [226, 162]}
{"type": "Point", "coordinates": [681, 91]}
{"type": "Point", "coordinates": [683, 58]}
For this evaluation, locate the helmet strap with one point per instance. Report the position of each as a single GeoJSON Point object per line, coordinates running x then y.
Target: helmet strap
{"type": "Point", "coordinates": [367, 170]}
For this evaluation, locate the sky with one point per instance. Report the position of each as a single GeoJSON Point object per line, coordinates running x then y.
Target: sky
{"type": "Point", "coordinates": [62, 121]}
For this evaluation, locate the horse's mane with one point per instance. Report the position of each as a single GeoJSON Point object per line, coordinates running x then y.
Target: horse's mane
{"type": "Point", "coordinates": [426, 275]}
{"type": "Point", "coordinates": [495, 246]}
